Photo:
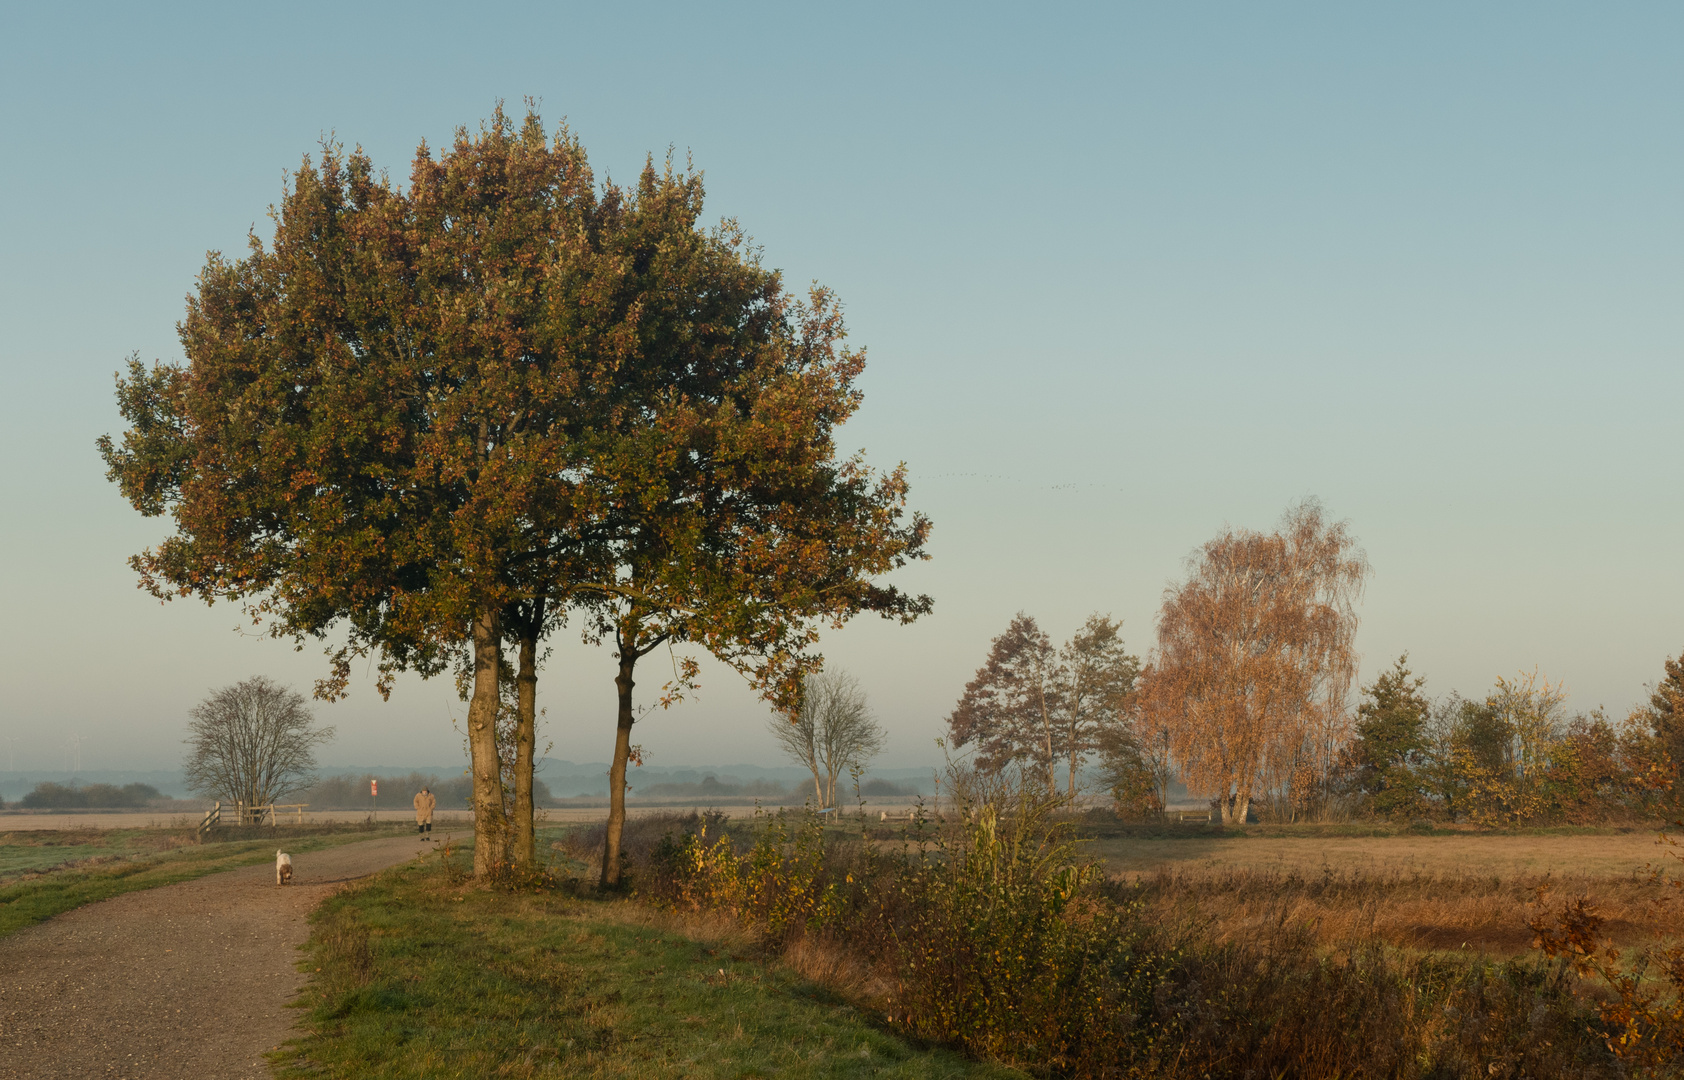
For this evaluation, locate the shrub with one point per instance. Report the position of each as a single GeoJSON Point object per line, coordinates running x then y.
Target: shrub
{"type": "Point", "coordinates": [985, 930]}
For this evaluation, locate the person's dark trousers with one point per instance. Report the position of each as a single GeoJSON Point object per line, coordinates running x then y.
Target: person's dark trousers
{"type": "Point", "coordinates": [429, 828]}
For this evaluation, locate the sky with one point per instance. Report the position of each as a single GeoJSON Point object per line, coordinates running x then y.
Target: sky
{"type": "Point", "coordinates": [1126, 274]}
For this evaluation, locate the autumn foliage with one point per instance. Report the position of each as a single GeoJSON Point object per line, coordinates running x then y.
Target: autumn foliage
{"type": "Point", "coordinates": [433, 422]}
{"type": "Point", "coordinates": [1254, 658]}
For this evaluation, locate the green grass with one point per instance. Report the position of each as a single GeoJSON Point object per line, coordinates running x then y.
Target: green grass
{"type": "Point", "coordinates": [33, 851]}
{"type": "Point", "coordinates": [420, 974]}
{"type": "Point", "coordinates": [140, 866]}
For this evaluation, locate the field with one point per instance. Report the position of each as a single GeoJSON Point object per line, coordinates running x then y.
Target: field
{"type": "Point", "coordinates": [1449, 891]}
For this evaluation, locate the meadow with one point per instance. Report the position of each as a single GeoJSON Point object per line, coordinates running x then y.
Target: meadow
{"type": "Point", "coordinates": [421, 973]}
{"type": "Point", "coordinates": [1441, 889]}
{"type": "Point", "coordinates": [1003, 942]}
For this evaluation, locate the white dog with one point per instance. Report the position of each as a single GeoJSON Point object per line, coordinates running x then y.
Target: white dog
{"type": "Point", "coordinates": [283, 868]}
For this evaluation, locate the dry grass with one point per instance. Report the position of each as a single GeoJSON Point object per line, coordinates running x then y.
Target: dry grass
{"type": "Point", "coordinates": [1611, 854]}
{"type": "Point", "coordinates": [1418, 910]}
{"type": "Point", "coordinates": [1457, 892]}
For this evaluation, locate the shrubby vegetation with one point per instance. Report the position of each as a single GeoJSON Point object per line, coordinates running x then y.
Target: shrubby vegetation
{"type": "Point", "coordinates": [984, 929]}
{"type": "Point", "coordinates": [1246, 699]}
{"type": "Point", "coordinates": [50, 796]}
{"type": "Point", "coordinates": [1513, 758]}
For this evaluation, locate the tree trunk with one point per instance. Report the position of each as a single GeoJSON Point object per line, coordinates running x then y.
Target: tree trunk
{"type": "Point", "coordinates": [1236, 806]}
{"type": "Point", "coordinates": [525, 851]}
{"type": "Point", "coordinates": [617, 772]}
{"type": "Point", "coordinates": [491, 824]}
{"type": "Point", "coordinates": [818, 788]}
{"type": "Point", "coordinates": [1072, 764]}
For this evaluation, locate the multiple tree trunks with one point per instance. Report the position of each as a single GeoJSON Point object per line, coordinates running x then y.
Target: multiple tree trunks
{"type": "Point", "coordinates": [1039, 706]}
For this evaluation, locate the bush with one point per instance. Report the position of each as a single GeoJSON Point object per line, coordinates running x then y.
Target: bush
{"type": "Point", "coordinates": [986, 931]}
{"type": "Point", "coordinates": [50, 796]}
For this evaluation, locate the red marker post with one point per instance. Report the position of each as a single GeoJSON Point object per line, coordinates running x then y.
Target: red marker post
{"type": "Point", "coordinates": [374, 792]}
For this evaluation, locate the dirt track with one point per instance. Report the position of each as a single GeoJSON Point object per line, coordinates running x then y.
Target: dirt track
{"type": "Point", "coordinates": [184, 981]}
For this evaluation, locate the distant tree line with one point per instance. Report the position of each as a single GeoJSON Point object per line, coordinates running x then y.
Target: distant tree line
{"type": "Point", "coordinates": [1513, 757]}
{"type": "Point", "coordinates": [1246, 698]}
{"type": "Point", "coordinates": [348, 791]}
{"type": "Point", "coordinates": [53, 796]}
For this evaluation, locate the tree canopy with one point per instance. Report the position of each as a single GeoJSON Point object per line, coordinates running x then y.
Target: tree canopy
{"type": "Point", "coordinates": [1037, 705]}
{"type": "Point", "coordinates": [1254, 658]}
{"type": "Point", "coordinates": [439, 418]}
{"type": "Point", "coordinates": [1390, 739]}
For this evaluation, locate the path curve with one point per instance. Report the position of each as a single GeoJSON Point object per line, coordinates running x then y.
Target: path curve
{"type": "Point", "coordinates": [184, 981]}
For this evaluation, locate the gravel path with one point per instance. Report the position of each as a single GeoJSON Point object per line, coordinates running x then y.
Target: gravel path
{"type": "Point", "coordinates": [183, 981]}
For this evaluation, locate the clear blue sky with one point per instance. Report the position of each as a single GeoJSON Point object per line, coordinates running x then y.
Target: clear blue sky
{"type": "Point", "coordinates": [1126, 273]}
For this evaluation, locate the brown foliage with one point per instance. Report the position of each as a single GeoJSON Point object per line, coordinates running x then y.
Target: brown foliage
{"type": "Point", "coordinates": [1255, 655]}
{"type": "Point", "coordinates": [1038, 706]}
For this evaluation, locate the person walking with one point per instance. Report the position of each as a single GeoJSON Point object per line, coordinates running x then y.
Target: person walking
{"type": "Point", "coordinates": [424, 803]}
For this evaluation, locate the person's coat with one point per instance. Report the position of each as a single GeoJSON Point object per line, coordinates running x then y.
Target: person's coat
{"type": "Point", "coordinates": [424, 803]}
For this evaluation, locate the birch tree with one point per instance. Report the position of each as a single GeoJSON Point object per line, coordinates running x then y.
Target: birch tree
{"type": "Point", "coordinates": [832, 732]}
{"type": "Point", "coordinates": [1254, 653]}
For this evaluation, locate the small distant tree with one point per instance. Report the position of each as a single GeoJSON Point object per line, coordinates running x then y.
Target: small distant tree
{"type": "Point", "coordinates": [1390, 741]}
{"type": "Point", "coordinates": [252, 743]}
{"type": "Point", "coordinates": [832, 732]}
{"type": "Point", "coordinates": [1132, 771]}
{"type": "Point", "coordinates": [1666, 720]}
{"type": "Point", "coordinates": [1010, 709]}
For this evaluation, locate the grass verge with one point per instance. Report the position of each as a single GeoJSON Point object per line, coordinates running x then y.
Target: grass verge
{"type": "Point", "coordinates": [420, 974]}
{"type": "Point", "coordinates": [28, 902]}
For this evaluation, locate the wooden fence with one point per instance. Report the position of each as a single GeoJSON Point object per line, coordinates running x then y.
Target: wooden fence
{"type": "Point", "coordinates": [251, 815]}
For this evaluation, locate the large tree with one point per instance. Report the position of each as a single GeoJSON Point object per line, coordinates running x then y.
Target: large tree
{"type": "Point", "coordinates": [1254, 655]}
{"type": "Point", "coordinates": [440, 418]}
{"type": "Point", "coordinates": [374, 423]}
{"type": "Point", "coordinates": [737, 530]}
